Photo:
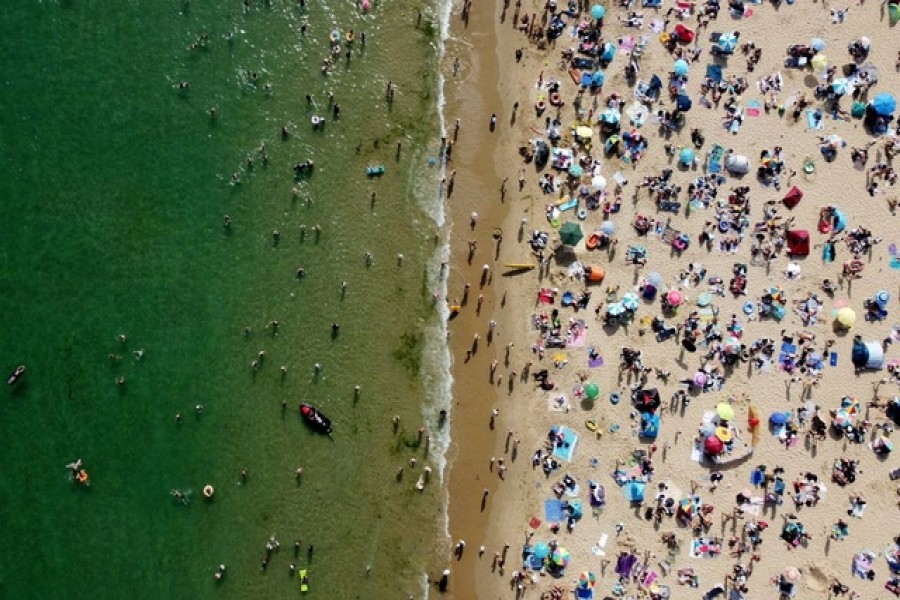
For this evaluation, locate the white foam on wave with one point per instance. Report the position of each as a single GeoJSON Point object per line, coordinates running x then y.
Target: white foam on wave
{"type": "Point", "coordinates": [437, 380]}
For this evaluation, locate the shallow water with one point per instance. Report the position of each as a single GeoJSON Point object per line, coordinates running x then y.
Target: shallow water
{"type": "Point", "coordinates": [114, 184]}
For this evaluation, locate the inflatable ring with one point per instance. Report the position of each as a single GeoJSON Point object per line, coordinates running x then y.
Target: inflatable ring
{"type": "Point", "coordinates": [591, 424]}
{"type": "Point", "coordinates": [209, 491]}
{"type": "Point", "coordinates": [581, 214]}
{"type": "Point", "coordinates": [809, 167]}
{"type": "Point", "coordinates": [615, 397]}
{"type": "Point", "coordinates": [349, 37]}
{"type": "Point", "coordinates": [749, 307]}
{"type": "Point", "coordinates": [724, 226]}
{"type": "Point", "coordinates": [315, 120]}
{"type": "Point", "coordinates": [555, 99]}
{"type": "Point", "coordinates": [540, 106]}
{"type": "Point", "coordinates": [554, 223]}
{"type": "Point", "coordinates": [335, 36]}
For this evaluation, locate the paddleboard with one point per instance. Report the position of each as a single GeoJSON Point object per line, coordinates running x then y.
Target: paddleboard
{"type": "Point", "coordinates": [304, 580]}
{"type": "Point", "coordinates": [520, 265]}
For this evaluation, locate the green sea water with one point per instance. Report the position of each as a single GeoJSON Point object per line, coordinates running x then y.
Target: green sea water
{"type": "Point", "coordinates": [114, 184]}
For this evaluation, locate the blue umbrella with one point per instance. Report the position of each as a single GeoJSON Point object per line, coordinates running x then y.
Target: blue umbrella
{"type": "Point", "coordinates": [597, 11]}
{"type": "Point", "coordinates": [575, 170]}
{"type": "Point", "coordinates": [609, 52]}
{"type": "Point", "coordinates": [615, 309]}
{"type": "Point", "coordinates": [608, 227]}
{"type": "Point", "coordinates": [541, 550]}
{"type": "Point", "coordinates": [633, 491]}
{"type": "Point", "coordinates": [683, 103]}
{"type": "Point", "coordinates": [778, 418]}
{"type": "Point", "coordinates": [882, 297]}
{"type": "Point", "coordinates": [687, 156]}
{"type": "Point", "coordinates": [610, 116]}
{"type": "Point", "coordinates": [884, 104]}
{"type": "Point", "coordinates": [598, 78]}
{"type": "Point", "coordinates": [728, 41]}
{"type": "Point", "coordinates": [681, 67]}
{"type": "Point", "coordinates": [654, 279]}
{"type": "Point", "coordinates": [818, 44]}
{"type": "Point", "coordinates": [630, 301]}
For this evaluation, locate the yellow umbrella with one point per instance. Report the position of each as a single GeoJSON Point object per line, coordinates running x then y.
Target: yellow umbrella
{"type": "Point", "coordinates": [819, 62]}
{"type": "Point", "coordinates": [723, 434]}
{"type": "Point", "coordinates": [846, 317]}
{"type": "Point", "coordinates": [725, 411]}
{"type": "Point", "coordinates": [584, 132]}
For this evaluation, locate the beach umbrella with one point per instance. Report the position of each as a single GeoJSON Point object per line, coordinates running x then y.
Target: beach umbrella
{"type": "Point", "coordinates": [592, 391]}
{"type": "Point", "coordinates": [598, 78]}
{"type": "Point", "coordinates": [570, 233]}
{"type": "Point", "coordinates": [674, 297]}
{"type": "Point", "coordinates": [587, 579]}
{"type": "Point", "coordinates": [732, 345]}
{"type": "Point", "coordinates": [630, 301]}
{"type": "Point", "coordinates": [882, 297]}
{"type": "Point", "coordinates": [791, 574]}
{"type": "Point", "coordinates": [819, 62]}
{"type": "Point", "coordinates": [598, 12]}
{"type": "Point", "coordinates": [893, 12]}
{"type": "Point", "coordinates": [654, 279]}
{"type": "Point", "coordinates": [778, 418]}
{"type": "Point", "coordinates": [633, 491]}
{"type": "Point", "coordinates": [817, 44]}
{"type": "Point", "coordinates": [615, 309]}
{"type": "Point", "coordinates": [884, 104]}
{"type": "Point", "coordinates": [683, 103]}
{"type": "Point", "coordinates": [608, 227]}
{"type": "Point", "coordinates": [846, 317]}
{"type": "Point", "coordinates": [840, 86]}
{"type": "Point", "coordinates": [610, 116]}
{"type": "Point", "coordinates": [707, 428]}
{"type": "Point", "coordinates": [728, 41]}
{"type": "Point", "coordinates": [700, 378]}
{"type": "Point", "coordinates": [686, 156]}
{"type": "Point", "coordinates": [560, 557]}
{"type": "Point", "coordinates": [724, 434]}
{"type": "Point", "coordinates": [725, 411]}
{"type": "Point", "coordinates": [713, 445]}
{"type": "Point", "coordinates": [841, 419]}
{"type": "Point", "coordinates": [598, 183]}
{"type": "Point", "coordinates": [680, 68]}
{"type": "Point", "coordinates": [576, 170]}
{"type": "Point", "coordinates": [704, 299]}
{"type": "Point", "coordinates": [542, 550]}
{"type": "Point", "coordinates": [583, 132]}
{"type": "Point", "coordinates": [609, 52]}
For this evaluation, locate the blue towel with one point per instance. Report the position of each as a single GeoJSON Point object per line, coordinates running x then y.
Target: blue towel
{"type": "Point", "coordinates": [757, 477]}
{"type": "Point", "coordinates": [565, 450]}
{"type": "Point", "coordinates": [553, 511]}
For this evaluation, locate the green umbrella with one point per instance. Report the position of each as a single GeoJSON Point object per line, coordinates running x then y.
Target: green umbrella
{"type": "Point", "coordinates": [570, 233]}
{"type": "Point", "coordinates": [592, 391]}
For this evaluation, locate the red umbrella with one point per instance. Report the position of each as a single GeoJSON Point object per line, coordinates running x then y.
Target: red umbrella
{"type": "Point", "coordinates": [713, 445]}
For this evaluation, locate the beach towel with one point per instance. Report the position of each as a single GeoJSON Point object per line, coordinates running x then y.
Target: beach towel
{"type": "Point", "coordinates": [716, 154]}
{"type": "Point", "coordinates": [714, 72]}
{"type": "Point", "coordinates": [553, 510]}
{"type": "Point", "coordinates": [566, 448]}
{"type": "Point", "coordinates": [558, 403]}
{"type": "Point", "coordinates": [576, 338]}
{"type": "Point", "coordinates": [753, 108]}
{"type": "Point", "coordinates": [595, 362]}
{"type": "Point", "coordinates": [814, 119]}
{"type": "Point", "coordinates": [627, 43]}
{"type": "Point", "coordinates": [703, 547]}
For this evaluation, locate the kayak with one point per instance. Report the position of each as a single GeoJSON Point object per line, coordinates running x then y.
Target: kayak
{"type": "Point", "coordinates": [20, 370]}
{"type": "Point", "coordinates": [315, 419]}
{"type": "Point", "coordinates": [304, 580]}
{"type": "Point", "coordinates": [520, 265]}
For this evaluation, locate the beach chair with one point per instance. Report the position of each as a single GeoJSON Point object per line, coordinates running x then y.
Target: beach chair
{"type": "Point", "coordinates": [640, 46]}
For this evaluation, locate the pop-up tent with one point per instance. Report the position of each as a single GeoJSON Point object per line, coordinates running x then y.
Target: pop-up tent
{"type": "Point", "coordinates": [867, 355]}
{"type": "Point", "coordinates": [798, 242]}
{"type": "Point", "coordinates": [649, 425]}
{"type": "Point", "coordinates": [634, 491]}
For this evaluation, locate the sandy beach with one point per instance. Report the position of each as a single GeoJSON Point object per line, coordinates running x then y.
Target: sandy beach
{"type": "Point", "coordinates": [740, 354]}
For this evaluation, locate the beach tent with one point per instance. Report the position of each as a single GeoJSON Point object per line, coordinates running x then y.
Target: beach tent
{"type": "Point", "coordinates": [649, 425]}
{"type": "Point", "coordinates": [737, 164]}
{"type": "Point", "coordinates": [634, 491]}
{"type": "Point", "coordinates": [798, 242]}
{"type": "Point", "coordinates": [867, 355]}
{"type": "Point", "coordinates": [793, 197]}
